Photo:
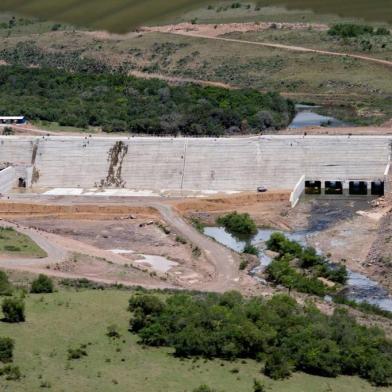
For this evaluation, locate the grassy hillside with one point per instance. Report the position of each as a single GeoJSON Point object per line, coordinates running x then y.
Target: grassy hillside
{"type": "Point", "coordinates": [68, 319]}
{"type": "Point", "coordinates": [122, 15]}
{"type": "Point", "coordinates": [358, 90]}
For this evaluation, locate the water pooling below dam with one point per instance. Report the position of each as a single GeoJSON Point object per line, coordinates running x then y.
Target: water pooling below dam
{"type": "Point", "coordinates": [307, 117]}
{"type": "Point", "coordinates": [359, 287]}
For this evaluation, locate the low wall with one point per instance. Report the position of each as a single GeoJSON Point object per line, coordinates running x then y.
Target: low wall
{"type": "Point", "coordinates": [299, 189]}
{"type": "Point", "coordinates": [7, 179]}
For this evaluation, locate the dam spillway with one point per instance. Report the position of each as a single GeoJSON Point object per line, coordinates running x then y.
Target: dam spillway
{"type": "Point", "coordinates": [196, 164]}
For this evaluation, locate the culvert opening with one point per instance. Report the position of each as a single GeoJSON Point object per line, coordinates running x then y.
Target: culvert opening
{"type": "Point", "coordinates": [377, 188]}
{"type": "Point", "coordinates": [333, 188]}
{"type": "Point", "coordinates": [312, 187]}
{"type": "Point", "coordinates": [21, 183]}
{"type": "Point", "coordinates": [358, 188]}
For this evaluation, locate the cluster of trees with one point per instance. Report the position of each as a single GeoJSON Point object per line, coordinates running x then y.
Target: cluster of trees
{"type": "Point", "coordinates": [13, 306]}
{"type": "Point", "coordinates": [238, 224]}
{"type": "Point", "coordinates": [8, 370]}
{"type": "Point", "coordinates": [300, 268]}
{"type": "Point", "coordinates": [118, 103]}
{"type": "Point", "coordinates": [287, 337]}
{"type": "Point", "coordinates": [350, 30]}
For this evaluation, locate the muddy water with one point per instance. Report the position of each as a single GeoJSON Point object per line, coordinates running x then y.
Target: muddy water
{"type": "Point", "coordinates": [359, 287]}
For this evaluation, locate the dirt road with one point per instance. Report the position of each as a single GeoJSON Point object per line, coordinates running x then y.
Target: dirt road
{"type": "Point", "coordinates": [226, 265]}
{"type": "Point", "coordinates": [60, 249]}
{"type": "Point", "coordinates": [215, 32]}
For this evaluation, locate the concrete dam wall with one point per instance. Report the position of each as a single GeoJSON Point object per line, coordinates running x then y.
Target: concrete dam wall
{"type": "Point", "coordinates": [223, 164]}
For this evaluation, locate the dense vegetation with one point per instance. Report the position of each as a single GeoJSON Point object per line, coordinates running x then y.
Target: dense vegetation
{"type": "Point", "coordinates": [238, 224]}
{"type": "Point", "coordinates": [13, 310]}
{"type": "Point", "coordinates": [120, 103]}
{"type": "Point", "coordinates": [301, 268]}
{"type": "Point", "coordinates": [350, 30]}
{"type": "Point", "coordinates": [286, 336]}
{"type": "Point", "coordinates": [43, 284]}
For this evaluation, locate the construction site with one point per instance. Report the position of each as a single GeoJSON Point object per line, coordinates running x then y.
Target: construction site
{"type": "Point", "coordinates": [121, 210]}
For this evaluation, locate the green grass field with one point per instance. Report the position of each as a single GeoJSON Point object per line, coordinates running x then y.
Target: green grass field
{"type": "Point", "coordinates": [14, 243]}
{"type": "Point", "coordinates": [67, 319]}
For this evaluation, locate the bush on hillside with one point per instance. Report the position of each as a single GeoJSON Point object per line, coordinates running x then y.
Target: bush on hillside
{"type": "Point", "coordinates": [11, 372]}
{"type": "Point", "coordinates": [204, 388]}
{"type": "Point", "coordinates": [350, 30]}
{"type": "Point", "coordinates": [13, 310]}
{"type": "Point", "coordinates": [5, 285]}
{"type": "Point", "coordinates": [6, 349]}
{"type": "Point", "coordinates": [43, 284]}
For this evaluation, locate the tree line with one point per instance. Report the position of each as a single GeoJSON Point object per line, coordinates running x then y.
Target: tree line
{"type": "Point", "coordinates": [118, 103]}
{"type": "Point", "coordinates": [280, 333]}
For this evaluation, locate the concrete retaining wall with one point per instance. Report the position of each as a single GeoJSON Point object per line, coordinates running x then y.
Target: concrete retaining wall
{"type": "Point", "coordinates": [299, 189]}
{"type": "Point", "coordinates": [7, 179]}
{"type": "Point", "coordinates": [225, 164]}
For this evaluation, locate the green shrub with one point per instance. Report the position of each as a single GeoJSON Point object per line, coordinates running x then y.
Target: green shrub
{"type": "Point", "coordinates": [12, 248]}
{"type": "Point", "coordinates": [382, 31]}
{"type": "Point", "coordinates": [364, 307]}
{"type": "Point", "coordinates": [277, 366]}
{"type": "Point", "coordinates": [181, 240]}
{"type": "Point", "coordinates": [204, 388]}
{"type": "Point", "coordinates": [350, 30]}
{"type": "Point", "coordinates": [5, 286]}
{"type": "Point", "coordinates": [112, 332]}
{"type": "Point", "coordinates": [11, 373]}
{"type": "Point", "coordinates": [251, 249]}
{"type": "Point", "coordinates": [243, 264]}
{"type": "Point", "coordinates": [197, 224]}
{"type": "Point", "coordinates": [258, 386]}
{"type": "Point", "coordinates": [13, 310]}
{"type": "Point", "coordinates": [43, 284]}
{"type": "Point", "coordinates": [239, 224]}
{"type": "Point", "coordinates": [6, 349]}
{"type": "Point", "coordinates": [77, 353]}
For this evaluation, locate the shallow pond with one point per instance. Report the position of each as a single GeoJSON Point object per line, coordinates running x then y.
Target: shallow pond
{"type": "Point", "coordinates": [307, 117]}
{"type": "Point", "coordinates": [359, 287]}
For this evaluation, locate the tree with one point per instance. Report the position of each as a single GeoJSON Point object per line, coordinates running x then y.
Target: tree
{"type": "Point", "coordinates": [13, 310]}
{"type": "Point", "coordinates": [277, 366]}
{"type": "Point", "coordinates": [43, 284]}
{"type": "Point", "coordinates": [240, 224]}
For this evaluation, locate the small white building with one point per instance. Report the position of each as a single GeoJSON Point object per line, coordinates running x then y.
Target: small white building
{"type": "Point", "coordinates": [13, 120]}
